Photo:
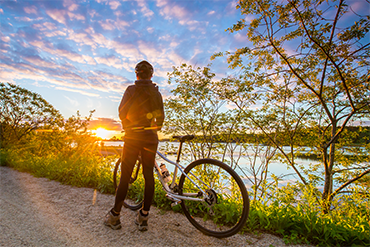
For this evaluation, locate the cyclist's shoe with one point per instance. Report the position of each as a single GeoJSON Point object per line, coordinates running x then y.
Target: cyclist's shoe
{"type": "Point", "coordinates": [142, 221]}
{"type": "Point", "coordinates": [112, 221]}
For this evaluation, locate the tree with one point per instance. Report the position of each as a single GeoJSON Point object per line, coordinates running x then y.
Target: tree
{"type": "Point", "coordinates": [193, 110]}
{"type": "Point", "coordinates": [224, 133]}
{"type": "Point", "coordinates": [22, 111]}
{"type": "Point", "coordinates": [309, 70]}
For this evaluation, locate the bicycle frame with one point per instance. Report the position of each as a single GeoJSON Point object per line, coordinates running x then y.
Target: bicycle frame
{"type": "Point", "coordinates": [169, 189]}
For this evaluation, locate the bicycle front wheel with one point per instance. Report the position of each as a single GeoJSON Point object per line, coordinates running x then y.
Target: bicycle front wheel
{"type": "Point", "coordinates": [225, 208]}
{"type": "Point", "coordinates": [135, 192]}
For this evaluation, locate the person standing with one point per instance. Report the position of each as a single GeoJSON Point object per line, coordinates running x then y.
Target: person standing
{"type": "Point", "coordinates": [142, 114]}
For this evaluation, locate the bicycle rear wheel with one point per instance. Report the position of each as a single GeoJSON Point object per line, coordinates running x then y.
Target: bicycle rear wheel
{"type": "Point", "coordinates": [135, 192]}
{"type": "Point", "coordinates": [226, 210]}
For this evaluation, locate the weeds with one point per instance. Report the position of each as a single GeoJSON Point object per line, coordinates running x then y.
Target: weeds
{"type": "Point", "coordinates": [296, 221]}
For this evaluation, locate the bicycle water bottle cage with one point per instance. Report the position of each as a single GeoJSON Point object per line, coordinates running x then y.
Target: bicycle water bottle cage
{"type": "Point", "coordinates": [184, 138]}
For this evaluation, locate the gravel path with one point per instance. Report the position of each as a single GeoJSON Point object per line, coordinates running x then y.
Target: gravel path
{"type": "Point", "coordinates": [39, 212]}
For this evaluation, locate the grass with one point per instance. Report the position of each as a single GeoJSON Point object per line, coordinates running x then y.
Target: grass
{"type": "Point", "coordinates": [301, 223]}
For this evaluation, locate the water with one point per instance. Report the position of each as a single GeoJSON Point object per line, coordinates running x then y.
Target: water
{"type": "Point", "coordinates": [279, 169]}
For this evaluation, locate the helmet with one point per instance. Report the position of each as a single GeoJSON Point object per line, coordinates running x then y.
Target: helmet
{"type": "Point", "coordinates": [144, 68]}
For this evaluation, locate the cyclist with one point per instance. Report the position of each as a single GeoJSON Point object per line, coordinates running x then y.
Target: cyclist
{"type": "Point", "coordinates": [142, 115]}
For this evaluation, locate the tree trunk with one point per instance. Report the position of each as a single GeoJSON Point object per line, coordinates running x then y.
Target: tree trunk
{"type": "Point", "coordinates": [329, 164]}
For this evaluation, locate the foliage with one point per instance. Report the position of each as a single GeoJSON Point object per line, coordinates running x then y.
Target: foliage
{"type": "Point", "coordinates": [22, 111]}
{"type": "Point", "coordinates": [298, 221]}
{"type": "Point", "coordinates": [308, 73]}
{"type": "Point", "coordinates": [82, 170]}
{"type": "Point", "coordinates": [220, 134]}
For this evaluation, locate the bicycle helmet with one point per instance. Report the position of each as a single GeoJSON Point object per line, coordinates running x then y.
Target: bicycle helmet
{"type": "Point", "coordinates": [144, 69]}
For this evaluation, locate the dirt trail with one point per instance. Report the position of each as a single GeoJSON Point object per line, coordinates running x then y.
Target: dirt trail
{"type": "Point", "coordinates": [39, 212]}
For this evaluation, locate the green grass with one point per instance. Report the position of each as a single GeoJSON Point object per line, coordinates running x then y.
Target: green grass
{"type": "Point", "coordinates": [349, 225]}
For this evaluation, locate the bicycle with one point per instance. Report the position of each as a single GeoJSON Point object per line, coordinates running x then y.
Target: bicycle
{"type": "Point", "coordinates": [209, 191]}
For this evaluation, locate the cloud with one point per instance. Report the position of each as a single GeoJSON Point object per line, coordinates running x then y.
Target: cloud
{"type": "Point", "coordinates": [5, 39]}
{"type": "Point", "coordinates": [38, 61]}
{"type": "Point", "coordinates": [72, 101]}
{"type": "Point", "coordinates": [57, 15]}
{"type": "Point", "coordinates": [144, 9]}
{"type": "Point", "coordinates": [170, 10]}
{"type": "Point", "coordinates": [112, 61]}
{"type": "Point", "coordinates": [78, 17]}
{"type": "Point", "coordinates": [107, 123]}
{"type": "Point", "coordinates": [114, 5]}
{"type": "Point", "coordinates": [107, 24]}
{"type": "Point", "coordinates": [78, 91]}
{"type": "Point", "coordinates": [70, 5]}
{"type": "Point", "coordinates": [81, 39]}
{"type": "Point", "coordinates": [115, 98]}
{"type": "Point", "coordinates": [30, 10]}
{"type": "Point", "coordinates": [127, 50]}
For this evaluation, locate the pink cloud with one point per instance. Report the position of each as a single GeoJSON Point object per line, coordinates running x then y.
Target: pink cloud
{"type": "Point", "coordinates": [122, 24]}
{"type": "Point", "coordinates": [55, 33]}
{"type": "Point", "coordinates": [81, 39]}
{"type": "Point", "coordinates": [110, 61]}
{"type": "Point", "coordinates": [73, 16]}
{"type": "Point", "coordinates": [170, 10]}
{"type": "Point", "coordinates": [5, 39]}
{"type": "Point", "coordinates": [26, 19]}
{"type": "Point", "coordinates": [114, 5]}
{"type": "Point", "coordinates": [37, 61]}
{"type": "Point", "coordinates": [30, 10]}
{"type": "Point", "coordinates": [57, 15]}
{"type": "Point", "coordinates": [144, 9]}
{"type": "Point", "coordinates": [126, 50]}
{"type": "Point", "coordinates": [70, 4]}
{"type": "Point", "coordinates": [107, 24]}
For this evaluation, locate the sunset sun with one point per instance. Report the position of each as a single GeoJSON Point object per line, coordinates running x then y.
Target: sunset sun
{"type": "Point", "coordinates": [101, 132]}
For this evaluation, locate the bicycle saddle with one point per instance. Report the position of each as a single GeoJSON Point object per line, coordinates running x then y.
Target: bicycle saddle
{"type": "Point", "coordinates": [184, 138]}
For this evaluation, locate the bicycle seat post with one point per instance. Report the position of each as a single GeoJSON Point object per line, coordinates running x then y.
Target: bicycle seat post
{"type": "Point", "coordinates": [179, 152]}
{"type": "Point", "coordinates": [182, 139]}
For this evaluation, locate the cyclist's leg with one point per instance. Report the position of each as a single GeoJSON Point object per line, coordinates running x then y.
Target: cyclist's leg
{"type": "Point", "coordinates": [148, 158]}
{"type": "Point", "coordinates": [130, 153]}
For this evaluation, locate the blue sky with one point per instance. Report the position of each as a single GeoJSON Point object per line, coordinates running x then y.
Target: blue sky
{"type": "Point", "coordinates": [80, 55]}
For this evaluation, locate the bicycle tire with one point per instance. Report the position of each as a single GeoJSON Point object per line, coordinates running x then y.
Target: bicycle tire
{"type": "Point", "coordinates": [230, 216]}
{"type": "Point", "coordinates": [135, 192]}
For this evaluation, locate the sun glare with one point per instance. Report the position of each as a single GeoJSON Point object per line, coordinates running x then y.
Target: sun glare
{"type": "Point", "coordinates": [101, 132]}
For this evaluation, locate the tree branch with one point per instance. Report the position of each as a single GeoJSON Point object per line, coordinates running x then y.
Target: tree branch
{"type": "Point", "coordinates": [325, 52]}
{"type": "Point", "coordinates": [348, 183]}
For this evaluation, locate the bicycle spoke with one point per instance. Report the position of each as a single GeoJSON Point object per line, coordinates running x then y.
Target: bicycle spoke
{"type": "Point", "coordinates": [226, 205]}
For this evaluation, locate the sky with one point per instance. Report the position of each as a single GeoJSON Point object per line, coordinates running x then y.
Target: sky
{"type": "Point", "coordinates": [80, 55]}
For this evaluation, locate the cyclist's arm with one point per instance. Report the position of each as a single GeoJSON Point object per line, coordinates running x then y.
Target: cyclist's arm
{"type": "Point", "coordinates": [125, 106]}
{"type": "Point", "coordinates": [160, 118]}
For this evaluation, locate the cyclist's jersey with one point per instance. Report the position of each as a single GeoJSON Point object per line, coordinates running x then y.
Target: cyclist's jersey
{"type": "Point", "coordinates": [141, 111]}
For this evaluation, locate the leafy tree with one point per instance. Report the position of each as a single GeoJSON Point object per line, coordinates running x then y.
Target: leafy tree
{"type": "Point", "coordinates": [224, 133]}
{"type": "Point", "coordinates": [193, 109]}
{"type": "Point", "coordinates": [28, 118]}
{"type": "Point", "coordinates": [308, 68]}
{"type": "Point", "coordinates": [22, 111]}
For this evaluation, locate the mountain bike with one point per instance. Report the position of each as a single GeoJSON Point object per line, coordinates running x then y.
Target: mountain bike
{"type": "Point", "coordinates": [212, 195]}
